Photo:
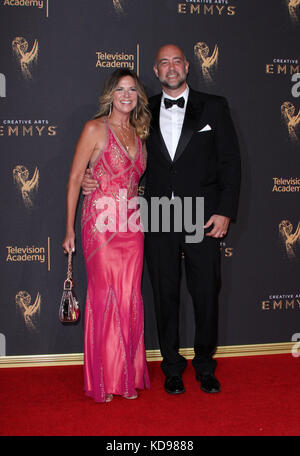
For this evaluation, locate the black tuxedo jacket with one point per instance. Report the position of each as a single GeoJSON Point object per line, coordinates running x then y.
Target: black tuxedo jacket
{"type": "Point", "coordinates": [206, 163]}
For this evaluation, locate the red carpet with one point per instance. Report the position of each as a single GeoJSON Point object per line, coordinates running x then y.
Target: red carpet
{"type": "Point", "coordinates": [260, 396]}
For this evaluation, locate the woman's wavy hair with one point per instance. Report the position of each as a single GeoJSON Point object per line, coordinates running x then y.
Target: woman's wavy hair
{"type": "Point", "coordinates": [140, 116]}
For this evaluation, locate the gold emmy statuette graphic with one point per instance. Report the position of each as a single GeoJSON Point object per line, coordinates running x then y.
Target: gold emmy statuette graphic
{"type": "Point", "coordinates": [30, 311]}
{"type": "Point", "coordinates": [118, 6]}
{"type": "Point", "coordinates": [26, 59]}
{"type": "Point", "coordinates": [26, 185]}
{"type": "Point", "coordinates": [290, 238]}
{"type": "Point", "coordinates": [208, 63]}
{"type": "Point", "coordinates": [292, 121]}
{"type": "Point", "coordinates": [294, 8]}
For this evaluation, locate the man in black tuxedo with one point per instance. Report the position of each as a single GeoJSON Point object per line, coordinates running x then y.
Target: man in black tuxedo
{"type": "Point", "coordinates": [192, 152]}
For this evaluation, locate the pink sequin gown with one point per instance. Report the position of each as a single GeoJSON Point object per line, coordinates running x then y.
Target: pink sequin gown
{"type": "Point", "coordinates": [114, 352]}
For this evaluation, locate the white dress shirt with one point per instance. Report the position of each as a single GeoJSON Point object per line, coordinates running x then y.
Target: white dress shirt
{"type": "Point", "coordinates": [171, 121]}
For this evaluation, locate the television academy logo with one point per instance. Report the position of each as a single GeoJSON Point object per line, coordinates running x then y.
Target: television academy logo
{"type": "Point", "coordinates": [292, 121]}
{"type": "Point", "coordinates": [208, 63]}
{"type": "Point", "coordinates": [28, 254]}
{"type": "Point", "coordinates": [26, 186]}
{"type": "Point", "coordinates": [286, 184]}
{"type": "Point", "coordinates": [30, 311]}
{"type": "Point", "coordinates": [25, 58]}
{"type": "Point", "coordinates": [114, 60]}
{"type": "Point", "coordinates": [32, 253]}
{"type": "Point", "coordinates": [289, 237]}
{"type": "Point", "coordinates": [42, 5]}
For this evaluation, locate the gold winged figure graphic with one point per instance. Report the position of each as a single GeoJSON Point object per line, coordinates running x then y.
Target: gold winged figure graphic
{"type": "Point", "coordinates": [26, 185]}
{"type": "Point", "coordinates": [118, 6]}
{"type": "Point", "coordinates": [292, 121]}
{"type": "Point", "coordinates": [293, 6]}
{"type": "Point", "coordinates": [290, 238]}
{"type": "Point", "coordinates": [26, 58]}
{"type": "Point", "coordinates": [30, 311]}
{"type": "Point", "coordinates": [208, 63]}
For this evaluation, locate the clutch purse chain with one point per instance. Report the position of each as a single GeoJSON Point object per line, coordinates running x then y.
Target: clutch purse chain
{"type": "Point", "coordinates": [69, 309]}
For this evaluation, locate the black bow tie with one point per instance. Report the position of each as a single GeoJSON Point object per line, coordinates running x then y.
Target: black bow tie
{"type": "Point", "coordinates": [169, 103]}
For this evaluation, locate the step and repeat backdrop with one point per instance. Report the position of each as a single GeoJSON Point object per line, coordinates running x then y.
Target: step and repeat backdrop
{"type": "Point", "coordinates": [55, 57]}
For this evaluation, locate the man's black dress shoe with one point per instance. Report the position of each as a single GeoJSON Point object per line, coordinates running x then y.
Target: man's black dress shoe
{"type": "Point", "coordinates": [174, 385]}
{"type": "Point", "coordinates": [209, 383]}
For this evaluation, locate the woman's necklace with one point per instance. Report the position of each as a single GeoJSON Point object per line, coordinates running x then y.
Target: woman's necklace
{"type": "Point", "coordinates": [125, 137]}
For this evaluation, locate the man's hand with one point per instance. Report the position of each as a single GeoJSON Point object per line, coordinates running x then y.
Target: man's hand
{"type": "Point", "coordinates": [88, 184]}
{"type": "Point", "coordinates": [220, 226]}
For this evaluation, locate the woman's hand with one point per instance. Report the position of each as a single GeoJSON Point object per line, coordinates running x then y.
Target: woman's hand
{"type": "Point", "coordinates": [69, 242]}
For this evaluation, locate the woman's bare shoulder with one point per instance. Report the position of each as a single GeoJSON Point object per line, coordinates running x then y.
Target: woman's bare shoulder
{"type": "Point", "coordinates": [95, 126]}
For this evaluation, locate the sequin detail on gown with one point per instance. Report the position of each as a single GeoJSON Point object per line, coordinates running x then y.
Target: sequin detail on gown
{"type": "Point", "coordinates": [114, 352]}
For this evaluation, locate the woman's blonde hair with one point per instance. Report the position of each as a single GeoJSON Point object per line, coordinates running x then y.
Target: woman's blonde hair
{"type": "Point", "coordinates": [140, 116]}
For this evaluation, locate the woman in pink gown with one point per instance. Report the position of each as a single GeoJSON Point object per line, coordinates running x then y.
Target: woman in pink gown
{"type": "Point", "coordinates": [113, 146]}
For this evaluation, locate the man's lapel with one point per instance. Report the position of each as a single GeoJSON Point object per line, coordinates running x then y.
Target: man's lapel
{"type": "Point", "coordinates": [156, 133]}
{"type": "Point", "coordinates": [191, 120]}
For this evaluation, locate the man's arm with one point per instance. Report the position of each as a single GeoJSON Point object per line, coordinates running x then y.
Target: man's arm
{"type": "Point", "coordinates": [88, 184]}
{"type": "Point", "coordinates": [229, 164]}
{"type": "Point", "coordinates": [229, 173]}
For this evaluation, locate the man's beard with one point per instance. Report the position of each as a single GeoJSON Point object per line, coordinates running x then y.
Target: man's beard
{"type": "Point", "coordinates": [179, 83]}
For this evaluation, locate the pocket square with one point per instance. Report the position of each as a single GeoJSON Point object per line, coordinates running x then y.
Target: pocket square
{"type": "Point", "coordinates": [206, 128]}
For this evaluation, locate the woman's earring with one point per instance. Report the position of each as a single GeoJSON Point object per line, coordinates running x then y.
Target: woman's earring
{"type": "Point", "coordinates": [136, 113]}
{"type": "Point", "coordinates": [110, 108]}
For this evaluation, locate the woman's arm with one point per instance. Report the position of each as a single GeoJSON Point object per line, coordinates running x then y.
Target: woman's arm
{"type": "Point", "coordinates": [90, 138]}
